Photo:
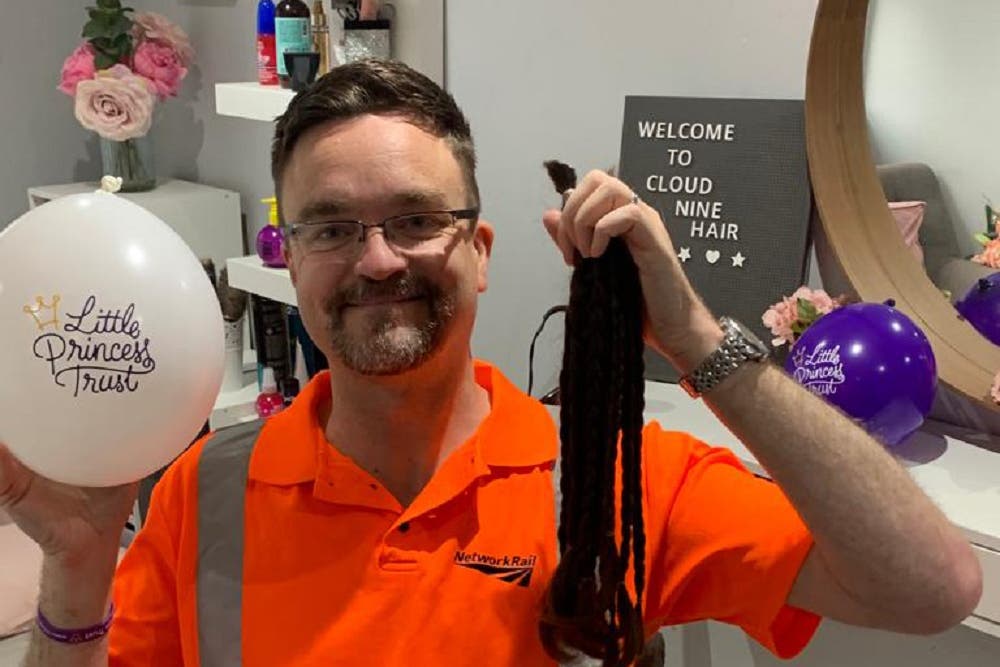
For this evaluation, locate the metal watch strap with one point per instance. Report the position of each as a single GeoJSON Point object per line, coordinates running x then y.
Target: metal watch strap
{"type": "Point", "coordinates": [737, 347]}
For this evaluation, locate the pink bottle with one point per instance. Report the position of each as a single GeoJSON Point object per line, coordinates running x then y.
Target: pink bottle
{"type": "Point", "coordinates": [270, 401]}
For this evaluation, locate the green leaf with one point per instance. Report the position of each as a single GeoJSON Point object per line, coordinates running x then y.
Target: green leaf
{"type": "Point", "coordinates": [103, 60]}
{"type": "Point", "coordinates": [983, 239]}
{"type": "Point", "coordinates": [806, 310]}
{"type": "Point", "coordinates": [122, 44]}
{"type": "Point", "coordinates": [92, 31]}
{"type": "Point", "coordinates": [98, 28]}
{"type": "Point", "coordinates": [109, 4]}
{"type": "Point", "coordinates": [122, 25]}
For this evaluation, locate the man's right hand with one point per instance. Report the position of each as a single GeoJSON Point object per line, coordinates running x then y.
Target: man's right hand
{"type": "Point", "coordinates": [69, 523]}
{"type": "Point", "coordinates": [79, 531]}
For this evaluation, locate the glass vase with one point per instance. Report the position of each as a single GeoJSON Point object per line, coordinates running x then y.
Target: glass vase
{"type": "Point", "coordinates": [131, 160]}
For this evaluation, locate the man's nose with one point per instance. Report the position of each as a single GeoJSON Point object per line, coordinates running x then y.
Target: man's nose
{"type": "Point", "coordinates": [378, 259]}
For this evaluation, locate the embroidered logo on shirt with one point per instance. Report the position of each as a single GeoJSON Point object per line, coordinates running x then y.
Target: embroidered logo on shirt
{"type": "Point", "coordinates": [512, 569]}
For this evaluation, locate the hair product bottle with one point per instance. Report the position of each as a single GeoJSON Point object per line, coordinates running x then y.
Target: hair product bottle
{"type": "Point", "coordinates": [270, 239]}
{"type": "Point", "coordinates": [267, 59]}
{"type": "Point", "coordinates": [321, 37]}
{"type": "Point", "coordinates": [291, 28]}
{"type": "Point", "coordinates": [270, 401]}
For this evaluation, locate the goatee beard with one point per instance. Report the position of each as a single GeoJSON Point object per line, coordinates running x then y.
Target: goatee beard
{"type": "Point", "coordinates": [391, 343]}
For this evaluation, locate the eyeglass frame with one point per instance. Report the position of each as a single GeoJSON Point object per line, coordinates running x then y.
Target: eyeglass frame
{"type": "Point", "coordinates": [471, 214]}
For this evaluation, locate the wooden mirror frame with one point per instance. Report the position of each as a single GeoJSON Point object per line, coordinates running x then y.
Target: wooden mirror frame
{"type": "Point", "coordinates": [854, 215]}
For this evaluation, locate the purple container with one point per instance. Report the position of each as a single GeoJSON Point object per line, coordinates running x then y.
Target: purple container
{"type": "Point", "coordinates": [270, 242]}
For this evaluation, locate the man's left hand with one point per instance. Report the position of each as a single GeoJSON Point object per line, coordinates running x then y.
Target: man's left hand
{"type": "Point", "coordinates": [677, 323]}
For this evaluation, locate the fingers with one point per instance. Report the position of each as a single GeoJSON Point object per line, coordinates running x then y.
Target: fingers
{"type": "Point", "coordinates": [15, 479]}
{"type": "Point", "coordinates": [610, 196]}
{"type": "Point", "coordinates": [596, 211]}
{"type": "Point", "coordinates": [551, 219]}
{"type": "Point", "coordinates": [617, 223]}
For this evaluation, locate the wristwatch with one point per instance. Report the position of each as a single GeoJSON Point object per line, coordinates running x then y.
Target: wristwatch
{"type": "Point", "coordinates": [739, 346]}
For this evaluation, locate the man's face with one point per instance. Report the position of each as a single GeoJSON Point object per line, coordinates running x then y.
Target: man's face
{"type": "Point", "coordinates": [383, 310]}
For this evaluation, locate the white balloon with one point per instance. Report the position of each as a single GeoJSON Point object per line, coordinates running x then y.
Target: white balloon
{"type": "Point", "coordinates": [111, 341]}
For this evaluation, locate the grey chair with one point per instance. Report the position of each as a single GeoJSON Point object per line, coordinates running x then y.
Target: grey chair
{"type": "Point", "coordinates": [944, 261]}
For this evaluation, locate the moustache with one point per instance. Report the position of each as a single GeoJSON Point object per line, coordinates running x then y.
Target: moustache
{"type": "Point", "coordinates": [400, 288]}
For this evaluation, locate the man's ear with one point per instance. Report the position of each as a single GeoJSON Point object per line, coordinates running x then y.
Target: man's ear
{"type": "Point", "coordinates": [483, 243]}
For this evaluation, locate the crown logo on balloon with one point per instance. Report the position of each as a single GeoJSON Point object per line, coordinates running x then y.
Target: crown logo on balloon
{"type": "Point", "coordinates": [40, 310]}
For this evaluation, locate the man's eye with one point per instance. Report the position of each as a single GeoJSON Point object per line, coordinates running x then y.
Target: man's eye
{"type": "Point", "coordinates": [335, 232]}
{"type": "Point", "coordinates": [421, 224]}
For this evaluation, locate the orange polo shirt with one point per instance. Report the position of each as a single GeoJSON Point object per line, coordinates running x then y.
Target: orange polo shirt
{"type": "Point", "coordinates": [337, 572]}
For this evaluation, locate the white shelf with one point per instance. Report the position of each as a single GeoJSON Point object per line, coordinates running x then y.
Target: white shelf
{"type": "Point", "coordinates": [250, 275]}
{"type": "Point", "coordinates": [235, 407]}
{"type": "Point", "coordinates": [959, 470]}
{"type": "Point", "coordinates": [251, 100]}
{"type": "Point", "coordinates": [207, 218]}
{"type": "Point", "coordinates": [417, 39]}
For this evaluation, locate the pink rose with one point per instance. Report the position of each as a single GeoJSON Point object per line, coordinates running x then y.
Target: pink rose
{"type": "Point", "coordinates": [990, 256]}
{"type": "Point", "coordinates": [995, 390]}
{"type": "Point", "coordinates": [782, 316]}
{"type": "Point", "coordinates": [818, 298]}
{"type": "Point", "coordinates": [779, 318]}
{"type": "Point", "coordinates": [160, 64]}
{"type": "Point", "coordinates": [150, 26]}
{"type": "Point", "coordinates": [116, 104]}
{"type": "Point", "coordinates": [79, 66]}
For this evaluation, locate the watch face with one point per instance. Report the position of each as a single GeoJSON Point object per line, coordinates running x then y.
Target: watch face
{"type": "Point", "coordinates": [755, 343]}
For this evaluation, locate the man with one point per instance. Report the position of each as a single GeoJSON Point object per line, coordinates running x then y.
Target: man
{"type": "Point", "coordinates": [401, 511]}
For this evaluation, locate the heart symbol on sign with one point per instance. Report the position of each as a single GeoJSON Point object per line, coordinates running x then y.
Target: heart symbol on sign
{"type": "Point", "coordinates": [712, 256]}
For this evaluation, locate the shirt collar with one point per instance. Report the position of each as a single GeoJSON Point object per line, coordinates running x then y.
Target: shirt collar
{"type": "Point", "coordinates": [518, 432]}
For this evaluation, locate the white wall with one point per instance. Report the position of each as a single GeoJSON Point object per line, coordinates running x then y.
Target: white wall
{"type": "Point", "coordinates": [40, 141]}
{"type": "Point", "coordinates": [547, 78]}
{"type": "Point", "coordinates": [931, 72]}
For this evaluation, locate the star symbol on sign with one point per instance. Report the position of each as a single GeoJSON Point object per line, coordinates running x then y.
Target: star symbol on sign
{"type": "Point", "coordinates": [738, 260]}
{"type": "Point", "coordinates": [684, 255]}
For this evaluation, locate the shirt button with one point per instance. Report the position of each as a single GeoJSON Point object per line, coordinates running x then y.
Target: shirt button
{"type": "Point", "coordinates": [405, 526]}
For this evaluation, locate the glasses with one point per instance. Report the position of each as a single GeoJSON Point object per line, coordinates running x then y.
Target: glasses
{"type": "Point", "coordinates": [411, 232]}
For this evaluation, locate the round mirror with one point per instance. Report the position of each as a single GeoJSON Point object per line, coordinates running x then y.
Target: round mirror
{"type": "Point", "coordinates": [885, 167]}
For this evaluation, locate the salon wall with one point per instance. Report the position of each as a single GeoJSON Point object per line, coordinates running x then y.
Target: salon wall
{"type": "Point", "coordinates": [40, 142]}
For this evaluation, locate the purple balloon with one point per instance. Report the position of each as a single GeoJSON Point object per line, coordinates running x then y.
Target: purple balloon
{"type": "Point", "coordinates": [872, 362]}
{"type": "Point", "coordinates": [981, 307]}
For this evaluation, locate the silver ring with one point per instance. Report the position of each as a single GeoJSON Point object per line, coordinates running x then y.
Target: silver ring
{"type": "Point", "coordinates": [635, 198]}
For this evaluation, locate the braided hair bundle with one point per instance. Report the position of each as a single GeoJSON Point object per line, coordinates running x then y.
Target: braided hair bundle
{"type": "Point", "coordinates": [590, 608]}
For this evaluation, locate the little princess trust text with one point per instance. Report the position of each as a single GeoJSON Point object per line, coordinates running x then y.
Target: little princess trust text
{"type": "Point", "coordinates": [97, 350]}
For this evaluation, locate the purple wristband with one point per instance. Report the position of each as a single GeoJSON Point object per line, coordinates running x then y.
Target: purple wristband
{"type": "Point", "coordinates": [75, 636]}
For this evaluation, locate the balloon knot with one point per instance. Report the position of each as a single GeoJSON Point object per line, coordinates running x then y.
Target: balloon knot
{"type": "Point", "coordinates": [111, 184]}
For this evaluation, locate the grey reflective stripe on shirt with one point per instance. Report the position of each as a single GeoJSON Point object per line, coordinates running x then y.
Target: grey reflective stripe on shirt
{"type": "Point", "coordinates": [222, 480]}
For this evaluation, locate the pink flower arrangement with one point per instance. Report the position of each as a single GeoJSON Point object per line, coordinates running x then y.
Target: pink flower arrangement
{"type": "Point", "coordinates": [116, 104]}
{"type": "Point", "coordinates": [990, 254]}
{"type": "Point", "coordinates": [791, 316]}
{"type": "Point", "coordinates": [161, 65]}
{"type": "Point", "coordinates": [124, 66]}
{"type": "Point", "coordinates": [78, 67]}
{"type": "Point", "coordinates": [153, 27]}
